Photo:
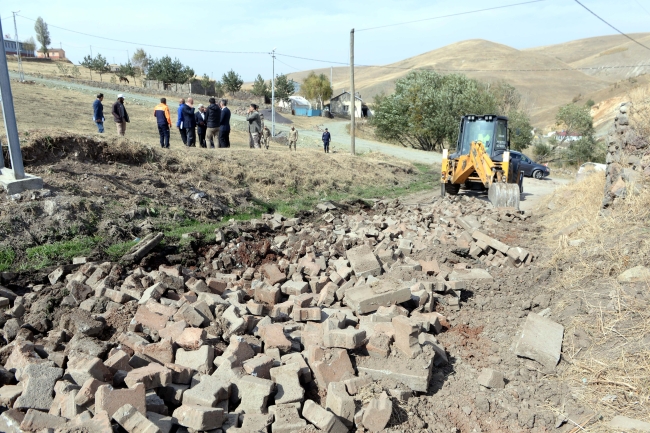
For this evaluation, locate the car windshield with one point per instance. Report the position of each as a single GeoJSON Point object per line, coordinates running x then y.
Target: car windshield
{"type": "Point", "coordinates": [479, 130]}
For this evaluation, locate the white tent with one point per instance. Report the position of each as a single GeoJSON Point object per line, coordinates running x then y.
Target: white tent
{"type": "Point", "coordinates": [295, 102]}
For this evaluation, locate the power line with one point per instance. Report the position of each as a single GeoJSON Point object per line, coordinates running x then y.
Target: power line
{"type": "Point", "coordinates": [149, 45]}
{"type": "Point", "coordinates": [642, 7]}
{"type": "Point", "coordinates": [313, 60]}
{"type": "Point", "coordinates": [450, 15]}
{"type": "Point", "coordinates": [285, 64]}
{"type": "Point", "coordinates": [624, 34]}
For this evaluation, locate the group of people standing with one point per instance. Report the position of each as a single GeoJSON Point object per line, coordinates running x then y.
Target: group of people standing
{"type": "Point", "coordinates": [208, 123]}
{"type": "Point", "coordinates": [120, 116]}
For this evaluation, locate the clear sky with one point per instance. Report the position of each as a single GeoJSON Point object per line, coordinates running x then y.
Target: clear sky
{"type": "Point", "coordinates": [310, 29]}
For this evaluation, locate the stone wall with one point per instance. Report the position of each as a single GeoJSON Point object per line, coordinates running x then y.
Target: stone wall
{"type": "Point", "coordinates": [628, 158]}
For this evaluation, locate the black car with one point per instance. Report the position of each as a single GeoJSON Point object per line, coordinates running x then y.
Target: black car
{"type": "Point", "coordinates": [529, 167]}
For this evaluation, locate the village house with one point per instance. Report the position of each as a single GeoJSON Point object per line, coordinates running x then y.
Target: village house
{"type": "Point", "coordinates": [340, 105]}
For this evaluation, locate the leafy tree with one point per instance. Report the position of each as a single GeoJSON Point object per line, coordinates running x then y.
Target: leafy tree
{"type": "Point", "coordinates": [205, 83]}
{"type": "Point", "coordinates": [76, 73]}
{"type": "Point", "coordinates": [575, 119]}
{"type": "Point", "coordinates": [169, 71]}
{"type": "Point", "coordinates": [29, 44]}
{"type": "Point", "coordinates": [284, 87]}
{"type": "Point", "coordinates": [232, 82]}
{"type": "Point", "coordinates": [141, 60]}
{"type": "Point", "coordinates": [316, 87]}
{"type": "Point", "coordinates": [585, 150]}
{"type": "Point", "coordinates": [88, 64]}
{"type": "Point", "coordinates": [218, 89]}
{"type": "Point", "coordinates": [42, 35]}
{"type": "Point", "coordinates": [426, 107]}
{"type": "Point", "coordinates": [506, 96]}
{"type": "Point", "coordinates": [101, 65]}
{"type": "Point", "coordinates": [127, 70]}
{"type": "Point", "coordinates": [260, 88]}
{"type": "Point", "coordinates": [521, 131]}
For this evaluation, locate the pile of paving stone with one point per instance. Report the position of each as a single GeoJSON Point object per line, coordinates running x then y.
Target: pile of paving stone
{"type": "Point", "coordinates": [279, 327]}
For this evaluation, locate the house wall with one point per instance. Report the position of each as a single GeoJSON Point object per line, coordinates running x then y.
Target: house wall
{"type": "Point", "coordinates": [340, 106]}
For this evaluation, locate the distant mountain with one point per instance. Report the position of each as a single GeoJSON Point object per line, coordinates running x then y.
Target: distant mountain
{"type": "Point", "coordinates": [546, 76]}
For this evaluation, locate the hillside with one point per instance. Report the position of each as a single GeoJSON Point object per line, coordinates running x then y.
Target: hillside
{"type": "Point", "coordinates": [543, 75]}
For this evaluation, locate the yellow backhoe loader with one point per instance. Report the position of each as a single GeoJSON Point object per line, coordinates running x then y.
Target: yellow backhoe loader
{"type": "Point", "coordinates": [482, 159]}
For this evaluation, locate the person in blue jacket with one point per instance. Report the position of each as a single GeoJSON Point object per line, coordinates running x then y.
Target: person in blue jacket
{"type": "Point", "coordinates": [326, 141]}
{"type": "Point", "coordinates": [98, 113]}
{"type": "Point", "coordinates": [179, 120]}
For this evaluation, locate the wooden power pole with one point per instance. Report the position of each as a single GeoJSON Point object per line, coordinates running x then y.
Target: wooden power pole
{"type": "Point", "coordinates": [353, 99]}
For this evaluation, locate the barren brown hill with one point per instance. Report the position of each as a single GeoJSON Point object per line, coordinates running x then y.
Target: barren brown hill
{"type": "Point", "coordinates": [603, 51]}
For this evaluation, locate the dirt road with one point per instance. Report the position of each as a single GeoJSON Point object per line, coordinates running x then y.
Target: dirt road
{"type": "Point", "coordinates": [534, 191]}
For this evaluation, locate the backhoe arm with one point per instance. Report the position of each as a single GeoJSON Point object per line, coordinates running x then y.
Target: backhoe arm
{"type": "Point", "coordinates": [482, 163]}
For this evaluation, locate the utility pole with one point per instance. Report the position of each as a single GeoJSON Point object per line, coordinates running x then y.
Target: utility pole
{"type": "Point", "coordinates": [21, 74]}
{"type": "Point", "coordinates": [332, 77]}
{"type": "Point", "coordinates": [14, 180]}
{"type": "Point", "coordinates": [91, 57]}
{"type": "Point", "coordinates": [353, 99]}
{"type": "Point", "coordinates": [273, 96]}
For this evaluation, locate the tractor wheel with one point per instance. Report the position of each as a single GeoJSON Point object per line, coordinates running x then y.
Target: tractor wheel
{"type": "Point", "coordinates": [452, 188]}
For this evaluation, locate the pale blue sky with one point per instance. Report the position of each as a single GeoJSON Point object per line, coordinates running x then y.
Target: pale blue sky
{"type": "Point", "coordinates": [310, 29]}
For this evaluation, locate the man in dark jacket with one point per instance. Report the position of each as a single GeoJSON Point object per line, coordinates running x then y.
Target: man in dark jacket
{"type": "Point", "coordinates": [120, 116]}
{"type": "Point", "coordinates": [164, 120]}
{"type": "Point", "coordinates": [98, 113]}
{"type": "Point", "coordinates": [189, 122]}
{"type": "Point", "coordinates": [201, 118]}
{"type": "Point", "coordinates": [326, 141]}
{"type": "Point", "coordinates": [224, 125]}
{"type": "Point", "coordinates": [179, 120]}
{"type": "Point", "coordinates": [214, 118]}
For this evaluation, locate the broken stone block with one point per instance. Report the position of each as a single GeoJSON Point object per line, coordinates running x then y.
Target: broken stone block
{"type": "Point", "coordinates": [305, 314]}
{"type": "Point", "coordinates": [152, 376]}
{"type": "Point", "coordinates": [469, 275]}
{"type": "Point", "coordinates": [161, 352]}
{"type": "Point", "coordinates": [208, 392]}
{"type": "Point", "coordinates": [154, 292]}
{"type": "Point", "coordinates": [259, 366]}
{"type": "Point", "coordinates": [191, 316]}
{"type": "Point", "coordinates": [267, 294]}
{"type": "Point", "coordinates": [363, 261]}
{"type": "Point", "coordinates": [541, 340]}
{"type": "Point", "coordinates": [180, 373]}
{"type": "Point", "coordinates": [239, 351]}
{"type": "Point", "coordinates": [377, 414]}
{"type": "Point", "coordinates": [379, 345]}
{"type": "Point", "coordinates": [329, 365]}
{"type": "Point", "coordinates": [406, 336]}
{"type": "Point", "coordinates": [200, 360]}
{"type": "Point", "coordinates": [86, 394]}
{"type": "Point", "coordinates": [322, 419]}
{"type": "Point", "coordinates": [134, 421]}
{"type": "Point", "coordinates": [287, 419]}
{"type": "Point", "coordinates": [304, 370]}
{"type": "Point", "coordinates": [273, 274]}
{"type": "Point", "coordinates": [273, 336]}
{"type": "Point", "coordinates": [416, 377]}
{"type": "Point", "coordinates": [36, 421]}
{"type": "Point", "coordinates": [118, 361]}
{"type": "Point", "coordinates": [366, 299]}
{"type": "Point", "coordinates": [255, 393]}
{"type": "Point", "coordinates": [191, 338]}
{"type": "Point", "coordinates": [9, 394]}
{"type": "Point", "coordinates": [288, 389]}
{"type": "Point", "coordinates": [348, 338]}
{"type": "Point", "coordinates": [493, 243]}
{"type": "Point", "coordinates": [109, 399]}
{"type": "Point", "coordinates": [294, 288]}
{"type": "Point", "coordinates": [39, 380]}
{"type": "Point", "coordinates": [340, 402]}
{"type": "Point", "coordinates": [173, 330]}
{"type": "Point", "coordinates": [149, 319]}
{"type": "Point", "coordinates": [491, 378]}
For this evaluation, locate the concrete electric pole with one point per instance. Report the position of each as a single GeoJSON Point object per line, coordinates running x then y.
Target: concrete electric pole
{"type": "Point", "coordinates": [21, 74]}
{"type": "Point", "coordinates": [14, 180]}
{"type": "Point", "coordinates": [353, 99]}
{"type": "Point", "coordinates": [273, 96]}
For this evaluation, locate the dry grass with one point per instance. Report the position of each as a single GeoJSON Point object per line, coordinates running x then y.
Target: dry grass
{"type": "Point", "coordinates": [612, 374]}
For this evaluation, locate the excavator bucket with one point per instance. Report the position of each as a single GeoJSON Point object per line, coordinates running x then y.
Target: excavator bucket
{"type": "Point", "coordinates": [504, 195]}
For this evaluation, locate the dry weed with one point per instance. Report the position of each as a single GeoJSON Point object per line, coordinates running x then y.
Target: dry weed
{"type": "Point", "coordinates": [611, 374]}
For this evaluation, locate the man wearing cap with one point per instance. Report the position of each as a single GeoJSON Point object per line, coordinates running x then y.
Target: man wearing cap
{"type": "Point", "coordinates": [164, 120]}
{"type": "Point", "coordinates": [293, 137]}
{"type": "Point", "coordinates": [326, 141]}
{"type": "Point", "coordinates": [98, 113]}
{"type": "Point", "coordinates": [201, 118]}
{"type": "Point", "coordinates": [120, 116]}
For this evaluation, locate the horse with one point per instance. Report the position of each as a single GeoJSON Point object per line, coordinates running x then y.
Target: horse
{"type": "Point", "coordinates": [124, 80]}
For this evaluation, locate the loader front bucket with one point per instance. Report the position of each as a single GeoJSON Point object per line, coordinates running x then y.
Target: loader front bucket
{"type": "Point", "coordinates": [504, 195]}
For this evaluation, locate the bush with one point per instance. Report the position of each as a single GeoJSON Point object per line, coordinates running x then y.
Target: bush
{"type": "Point", "coordinates": [585, 150]}
{"type": "Point", "coordinates": [7, 257]}
{"type": "Point", "coordinates": [543, 152]}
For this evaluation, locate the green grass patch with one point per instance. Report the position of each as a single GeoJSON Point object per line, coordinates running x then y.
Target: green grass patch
{"type": "Point", "coordinates": [116, 251]}
{"type": "Point", "coordinates": [49, 254]}
{"type": "Point", "coordinates": [7, 257]}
